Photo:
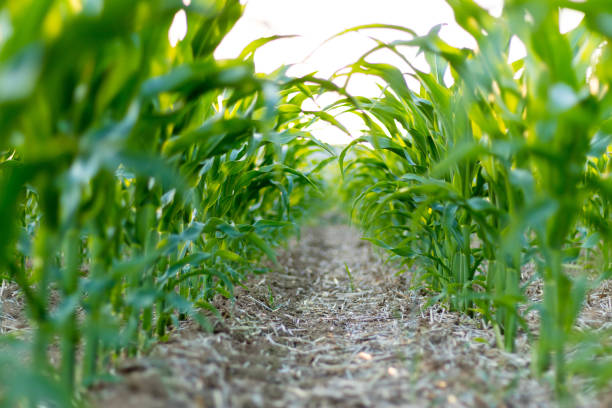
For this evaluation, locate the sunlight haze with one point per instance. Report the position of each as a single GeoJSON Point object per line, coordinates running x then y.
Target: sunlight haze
{"type": "Point", "coordinates": [315, 21]}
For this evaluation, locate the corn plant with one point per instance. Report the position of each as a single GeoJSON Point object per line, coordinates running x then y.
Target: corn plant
{"type": "Point", "coordinates": [510, 164]}
{"type": "Point", "coordinates": [138, 180]}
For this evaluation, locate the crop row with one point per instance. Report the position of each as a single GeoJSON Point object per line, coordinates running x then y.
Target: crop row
{"type": "Point", "coordinates": [470, 182]}
{"type": "Point", "coordinates": [138, 180]}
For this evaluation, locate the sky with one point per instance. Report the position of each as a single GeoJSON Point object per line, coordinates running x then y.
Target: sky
{"type": "Point", "coordinates": [314, 21]}
{"type": "Point", "coordinates": [317, 20]}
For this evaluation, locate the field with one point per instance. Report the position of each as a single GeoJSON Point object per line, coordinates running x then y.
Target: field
{"type": "Point", "coordinates": [173, 234]}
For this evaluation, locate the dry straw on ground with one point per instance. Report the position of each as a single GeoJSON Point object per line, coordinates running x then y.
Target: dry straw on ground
{"type": "Point", "coordinates": [310, 335]}
{"type": "Point", "coordinates": [302, 337]}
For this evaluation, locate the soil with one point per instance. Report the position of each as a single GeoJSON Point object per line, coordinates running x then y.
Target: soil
{"type": "Point", "coordinates": [310, 335]}
{"type": "Point", "coordinates": [12, 310]}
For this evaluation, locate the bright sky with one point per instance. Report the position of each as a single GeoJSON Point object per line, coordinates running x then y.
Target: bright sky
{"type": "Point", "coordinates": [314, 21]}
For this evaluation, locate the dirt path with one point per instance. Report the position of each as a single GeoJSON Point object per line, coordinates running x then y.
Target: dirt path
{"type": "Point", "coordinates": [306, 337]}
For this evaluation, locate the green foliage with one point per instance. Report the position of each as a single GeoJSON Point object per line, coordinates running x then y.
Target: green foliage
{"type": "Point", "coordinates": [350, 277]}
{"type": "Point", "coordinates": [138, 180]}
{"type": "Point", "coordinates": [509, 165]}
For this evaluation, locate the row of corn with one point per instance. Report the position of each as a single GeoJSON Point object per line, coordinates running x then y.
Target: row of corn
{"type": "Point", "coordinates": [504, 168]}
{"type": "Point", "coordinates": [138, 180]}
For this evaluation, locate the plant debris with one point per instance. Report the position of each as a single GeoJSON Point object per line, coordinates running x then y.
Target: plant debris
{"type": "Point", "coordinates": [327, 345]}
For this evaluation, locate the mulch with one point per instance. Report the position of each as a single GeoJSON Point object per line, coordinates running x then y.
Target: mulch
{"type": "Point", "coordinates": [309, 335]}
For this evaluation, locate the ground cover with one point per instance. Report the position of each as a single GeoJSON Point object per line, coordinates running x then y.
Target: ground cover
{"type": "Point", "coordinates": [308, 335]}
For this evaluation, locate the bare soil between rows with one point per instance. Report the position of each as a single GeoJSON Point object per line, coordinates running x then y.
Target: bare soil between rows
{"type": "Point", "coordinates": [303, 336]}
{"type": "Point", "coordinates": [308, 335]}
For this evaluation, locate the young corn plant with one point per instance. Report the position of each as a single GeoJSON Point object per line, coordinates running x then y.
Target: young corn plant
{"type": "Point", "coordinates": [138, 179]}
{"type": "Point", "coordinates": [506, 166]}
